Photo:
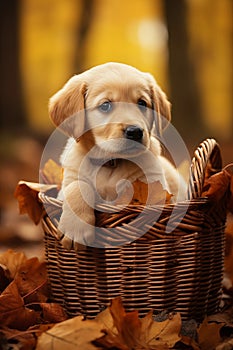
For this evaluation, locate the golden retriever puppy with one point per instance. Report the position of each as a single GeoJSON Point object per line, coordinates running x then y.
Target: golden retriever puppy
{"type": "Point", "coordinates": [112, 113]}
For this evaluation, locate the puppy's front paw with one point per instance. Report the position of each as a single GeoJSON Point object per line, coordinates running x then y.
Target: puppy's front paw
{"type": "Point", "coordinates": [76, 233]}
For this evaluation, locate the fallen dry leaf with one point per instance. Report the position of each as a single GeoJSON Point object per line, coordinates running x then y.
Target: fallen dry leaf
{"type": "Point", "coordinates": [225, 318]}
{"type": "Point", "coordinates": [226, 345]}
{"type": "Point", "coordinates": [12, 261]}
{"type": "Point", "coordinates": [190, 342]}
{"type": "Point", "coordinates": [72, 334]}
{"type": "Point", "coordinates": [13, 312]}
{"type": "Point", "coordinates": [15, 340]}
{"type": "Point", "coordinates": [24, 303]}
{"type": "Point", "coordinates": [27, 195]}
{"type": "Point", "coordinates": [168, 331]}
{"type": "Point", "coordinates": [143, 193]}
{"type": "Point", "coordinates": [31, 280]}
{"type": "Point", "coordinates": [209, 335]}
{"type": "Point", "coordinates": [28, 201]}
{"type": "Point", "coordinates": [53, 312]}
{"type": "Point", "coordinates": [23, 340]}
{"type": "Point", "coordinates": [229, 170]}
{"type": "Point", "coordinates": [52, 173]}
{"type": "Point", "coordinates": [105, 318]}
{"type": "Point", "coordinates": [216, 186]}
{"type": "Point", "coordinates": [118, 313]}
{"type": "Point", "coordinates": [131, 330]}
{"type": "Point", "coordinates": [4, 279]}
{"type": "Point", "coordinates": [126, 331]}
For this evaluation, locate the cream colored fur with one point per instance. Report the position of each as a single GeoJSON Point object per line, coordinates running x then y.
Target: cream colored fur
{"type": "Point", "coordinates": [76, 110]}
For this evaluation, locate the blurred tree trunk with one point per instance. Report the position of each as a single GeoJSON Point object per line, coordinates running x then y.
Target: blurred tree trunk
{"type": "Point", "coordinates": [11, 102]}
{"type": "Point", "coordinates": [185, 93]}
{"type": "Point", "coordinates": [86, 17]}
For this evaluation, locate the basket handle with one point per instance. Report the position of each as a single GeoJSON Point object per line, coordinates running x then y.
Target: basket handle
{"type": "Point", "coordinates": [207, 156]}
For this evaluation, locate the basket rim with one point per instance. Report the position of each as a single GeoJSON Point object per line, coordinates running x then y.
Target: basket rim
{"type": "Point", "coordinates": [208, 152]}
{"type": "Point", "coordinates": [206, 155]}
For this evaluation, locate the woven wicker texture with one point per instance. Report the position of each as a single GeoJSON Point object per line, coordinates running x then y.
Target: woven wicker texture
{"type": "Point", "coordinates": [176, 266]}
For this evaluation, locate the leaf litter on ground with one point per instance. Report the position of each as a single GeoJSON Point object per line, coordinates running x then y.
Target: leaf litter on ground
{"type": "Point", "coordinates": [29, 319]}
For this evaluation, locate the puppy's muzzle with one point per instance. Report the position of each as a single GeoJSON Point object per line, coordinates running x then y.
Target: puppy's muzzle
{"type": "Point", "coordinates": [134, 133]}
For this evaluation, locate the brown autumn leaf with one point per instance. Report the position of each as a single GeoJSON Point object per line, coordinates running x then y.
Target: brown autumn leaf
{"type": "Point", "coordinates": [143, 193]}
{"type": "Point", "coordinates": [75, 333]}
{"type": "Point", "coordinates": [226, 345]}
{"type": "Point", "coordinates": [130, 331]}
{"type": "Point", "coordinates": [13, 312]}
{"type": "Point", "coordinates": [162, 333]}
{"type": "Point", "coordinates": [4, 280]}
{"type": "Point", "coordinates": [27, 195]}
{"type": "Point", "coordinates": [31, 280]}
{"type": "Point", "coordinates": [209, 335]}
{"type": "Point", "coordinates": [18, 340]}
{"type": "Point", "coordinates": [30, 275]}
{"type": "Point", "coordinates": [225, 318]}
{"type": "Point", "coordinates": [53, 312]}
{"type": "Point", "coordinates": [190, 342]}
{"type": "Point", "coordinates": [22, 302]}
{"type": "Point", "coordinates": [23, 340]}
{"type": "Point", "coordinates": [216, 186]}
{"type": "Point", "coordinates": [118, 313]}
{"type": "Point", "coordinates": [52, 173]}
{"type": "Point", "coordinates": [12, 261]}
{"type": "Point", "coordinates": [111, 341]}
{"type": "Point", "coordinates": [111, 338]}
{"type": "Point", "coordinates": [229, 170]}
{"type": "Point", "coordinates": [127, 331]}
{"type": "Point", "coordinates": [28, 201]}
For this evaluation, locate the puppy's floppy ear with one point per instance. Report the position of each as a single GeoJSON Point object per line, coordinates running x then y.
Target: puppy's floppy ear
{"type": "Point", "coordinates": [160, 104]}
{"type": "Point", "coordinates": [66, 107]}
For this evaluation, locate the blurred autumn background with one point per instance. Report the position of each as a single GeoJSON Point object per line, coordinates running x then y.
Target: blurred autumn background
{"type": "Point", "coordinates": [185, 44]}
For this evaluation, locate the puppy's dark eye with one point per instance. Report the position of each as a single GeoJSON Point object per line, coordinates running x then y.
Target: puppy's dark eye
{"type": "Point", "coordinates": [142, 104]}
{"type": "Point", "coordinates": [106, 107]}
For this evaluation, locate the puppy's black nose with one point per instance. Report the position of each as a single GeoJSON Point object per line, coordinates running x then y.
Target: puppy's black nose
{"type": "Point", "coordinates": [133, 132]}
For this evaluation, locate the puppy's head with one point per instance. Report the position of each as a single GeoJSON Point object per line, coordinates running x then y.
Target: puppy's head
{"type": "Point", "coordinates": [114, 106]}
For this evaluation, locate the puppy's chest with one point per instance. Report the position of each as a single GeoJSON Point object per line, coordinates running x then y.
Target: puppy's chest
{"type": "Point", "coordinates": [113, 181]}
{"type": "Point", "coordinates": [130, 186]}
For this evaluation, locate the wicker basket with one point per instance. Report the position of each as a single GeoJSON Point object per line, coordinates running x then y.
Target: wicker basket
{"type": "Point", "coordinates": [179, 269]}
